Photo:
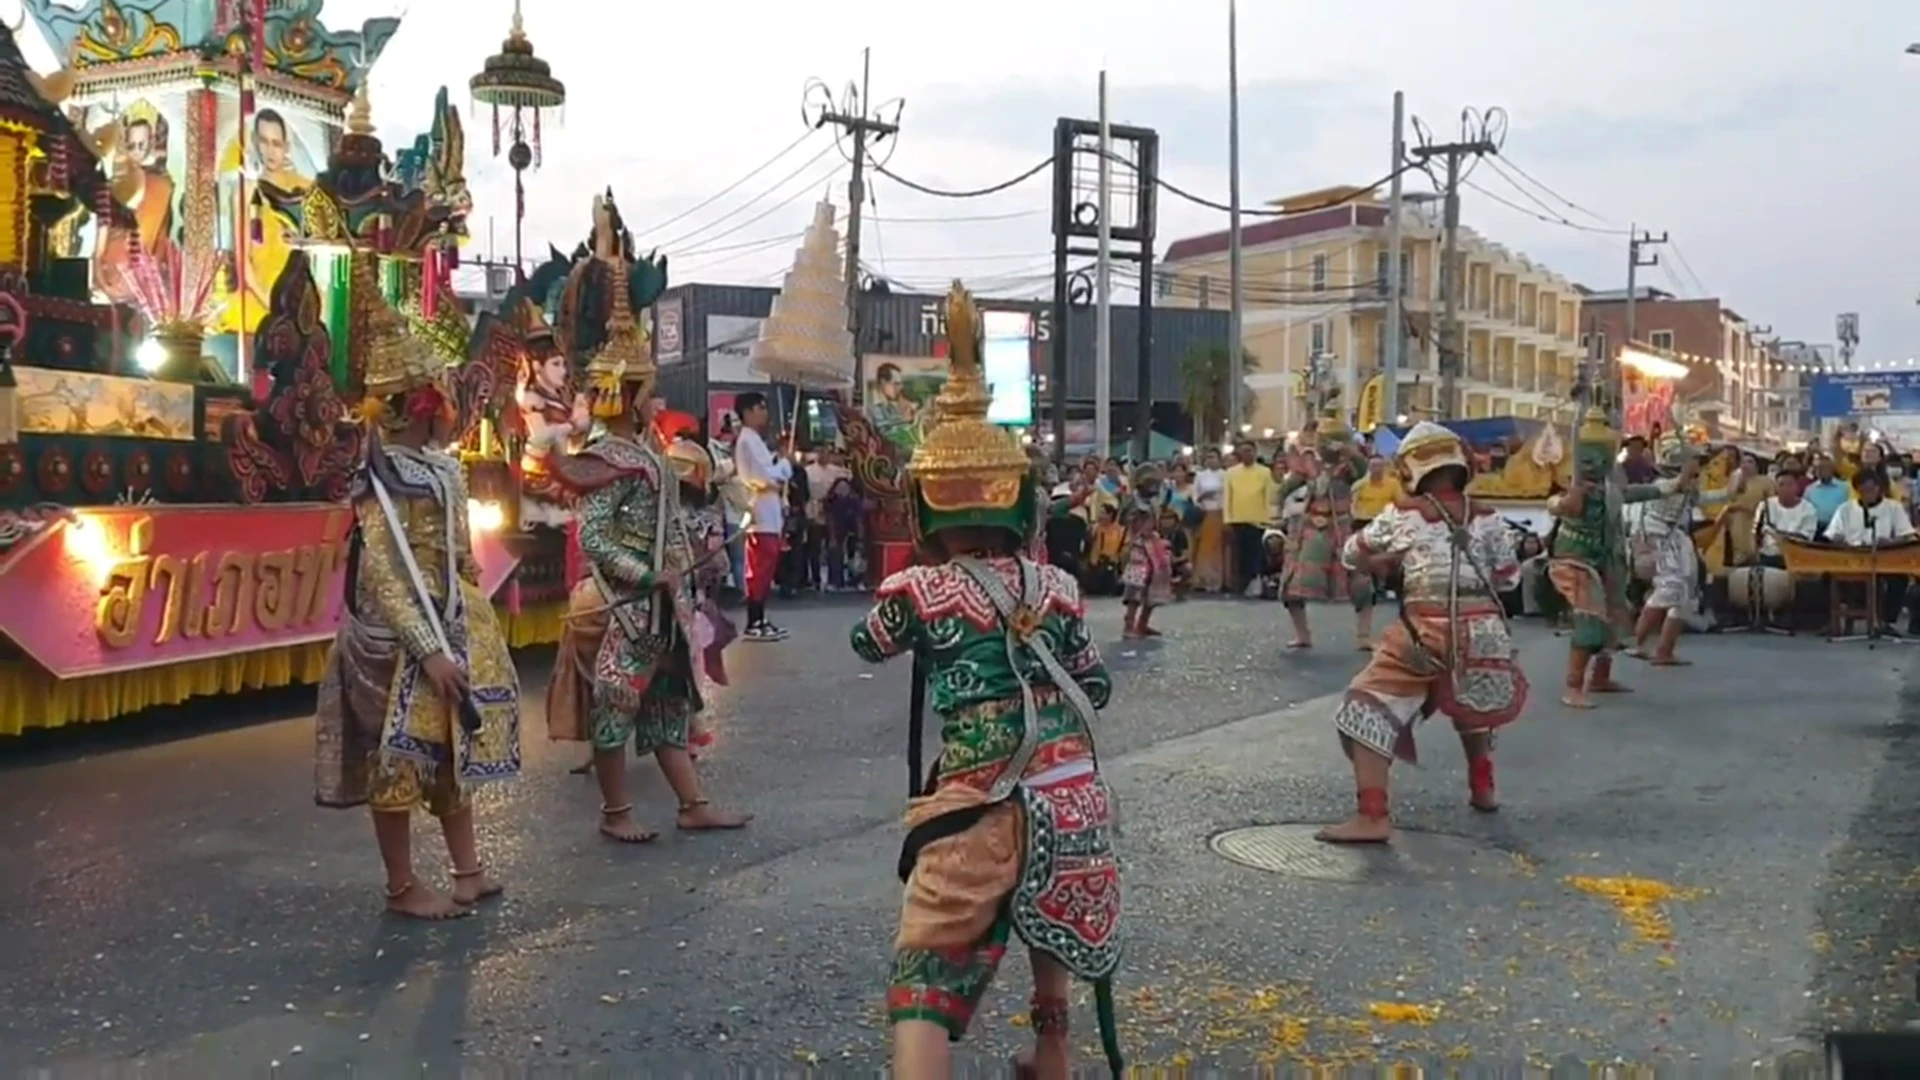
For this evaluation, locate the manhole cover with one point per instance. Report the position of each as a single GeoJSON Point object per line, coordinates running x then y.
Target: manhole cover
{"type": "Point", "coordinates": [1292, 850]}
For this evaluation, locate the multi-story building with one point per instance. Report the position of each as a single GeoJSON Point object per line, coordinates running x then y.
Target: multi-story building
{"type": "Point", "coordinates": [1315, 284]}
{"type": "Point", "coordinates": [1737, 385]}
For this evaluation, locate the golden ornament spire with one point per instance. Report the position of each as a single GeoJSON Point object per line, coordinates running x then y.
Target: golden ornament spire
{"type": "Point", "coordinates": [965, 460]}
{"type": "Point", "coordinates": [360, 112]}
{"type": "Point", "coordinates": [397, 360]}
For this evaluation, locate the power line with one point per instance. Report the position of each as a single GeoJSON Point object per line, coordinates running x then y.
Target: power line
{"type": "Point", "coordinates": [777, 185]}
{"type": "Point", "coordinates": [800, 192]}
{"type": "Point", "coordinates": [975, 194]}
{"type": "Point", "coordinates": [957, 219]}
{"type": "Point", "coordinates": [1507, 162]}
{"type": "Point", "coordinates": [730, 188]}
{"type": "Point", "coordinates": [1537, 216]}
{"type": "Point", "coordinates": [1682, 260]}
{"type": "Point", "coordinates": [764, 241]}
{"type": "Point", "coordinates": [1289, 211]}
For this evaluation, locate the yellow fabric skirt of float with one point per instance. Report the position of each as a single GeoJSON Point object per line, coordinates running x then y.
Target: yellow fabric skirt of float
{"type": "Point", "coordinates": [31, 697]}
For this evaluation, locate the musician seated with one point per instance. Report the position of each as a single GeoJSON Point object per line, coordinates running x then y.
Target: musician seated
{"type": "Point", "coordinates": [1871, 519]}
{"type": "Point", "coordinates": [1785, 513]}
{"type": "Point", "coordinates": [1874, 521]}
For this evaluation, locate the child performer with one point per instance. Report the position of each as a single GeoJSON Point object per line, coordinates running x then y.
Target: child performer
{"type": "Point", "coordinates": [1148, 577]}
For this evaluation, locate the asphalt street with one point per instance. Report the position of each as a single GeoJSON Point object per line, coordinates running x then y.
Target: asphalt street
{"type": "Point", "coordinates": [1709, 871]}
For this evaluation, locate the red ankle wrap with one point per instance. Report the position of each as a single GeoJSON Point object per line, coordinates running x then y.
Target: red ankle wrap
{"type": "Point", "coordinates": [1373, 802]}
{"type": "Point", "coordinates": [1049, 1015]}
{"type": "Point", "coordinates": [1480, 775]}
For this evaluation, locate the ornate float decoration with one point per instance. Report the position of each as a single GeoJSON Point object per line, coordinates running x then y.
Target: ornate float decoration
{"type": "Point", "coordinates": [172, 467]}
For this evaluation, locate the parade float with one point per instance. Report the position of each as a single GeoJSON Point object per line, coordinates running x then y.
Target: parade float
{"type": "Point", "coordinates": [187, 297]}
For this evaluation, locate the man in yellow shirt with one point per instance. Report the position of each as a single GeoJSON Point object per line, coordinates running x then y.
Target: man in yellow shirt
{"type": "Point", "coordinates": [1374, 494]}
{"type": "Point", "coordinates": [1247, 509]}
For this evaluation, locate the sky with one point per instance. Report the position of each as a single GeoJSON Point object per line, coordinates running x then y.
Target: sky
{"type": "Point", "coordinates": [1772, 140]}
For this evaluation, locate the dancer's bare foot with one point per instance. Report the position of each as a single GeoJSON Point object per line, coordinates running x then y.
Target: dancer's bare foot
{"type": "Point", "coordinates": [1607, 686]}
{"type": "Point", "coordinates": [1051, 1059]}
{"type": "Point", "coordinates": [1573, 697]}
{"type": "Point", "coordinates": [415, 901]}
{"type": "Point", "coordinates": [1148, 631]}
{"type": "Point", "coordinates": [1358, 829]}
{"type": "Point", "coordinates": [1668, 660]}
{"type": "Point", "coordinates": [472, 886]}
{"type": "Point", "coordinates": [616, 823]}
{"type": "Point", "coordinates": [1300, 643]}
{"type": "Point", "coordinates": [699, 816]}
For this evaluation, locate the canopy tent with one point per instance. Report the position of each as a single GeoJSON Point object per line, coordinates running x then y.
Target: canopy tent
{"type": "Point", "coordinates": [1480, 433]}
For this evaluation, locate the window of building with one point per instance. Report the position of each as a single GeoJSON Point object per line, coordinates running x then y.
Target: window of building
{"type": "Point", "coordinates": [1380, 282]}
{"type": "Point", "coordinates": [1661, 339]}
{"type": "Point", "coordinates": [1319, 272]}
{"type": "Point", "coordinates": [1587, 343]}
{"type": "Point", "coordinates": [1163, 284]}
{"type": "Point", "coordinates": [1206, 291]}
{"type": "Point", "coordinates": [1319, 339]}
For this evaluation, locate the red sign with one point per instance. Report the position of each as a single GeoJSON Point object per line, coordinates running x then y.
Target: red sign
{"type": "Point", "coordinates": [722, 421]}
{"type": "Point", "coordinates": [128, 587]}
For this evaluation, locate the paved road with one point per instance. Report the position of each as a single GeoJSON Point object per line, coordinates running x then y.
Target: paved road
{"type": "Point", "coordinates": [183, 903]}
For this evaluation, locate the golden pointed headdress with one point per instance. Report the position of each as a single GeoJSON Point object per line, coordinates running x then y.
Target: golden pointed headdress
{"type": "Point", "coordinates": [966, 469]}
{"type": "Point", "coordinates": [1596, 431]}
{"type": "Point", "coordinates": [624, 357]}
{"type": "Point", "coordinates": [397, 360]}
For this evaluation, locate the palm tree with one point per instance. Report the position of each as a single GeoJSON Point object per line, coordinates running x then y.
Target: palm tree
{"type": "Point", "coordinates": [1205, 391]}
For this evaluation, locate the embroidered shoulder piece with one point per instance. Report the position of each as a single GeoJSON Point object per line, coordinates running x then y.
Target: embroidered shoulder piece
{"type": "Point", "coordinates": [946, 592]}
{"type": "Point", "coordinates": [1421, 505]}
{"type": "Point", "coordinates": [603, 462]}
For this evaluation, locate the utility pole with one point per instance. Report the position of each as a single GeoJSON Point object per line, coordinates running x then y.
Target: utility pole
{"type": "Point", "coordinates": [1236, 333]}
{"type": "Point", "coordinates": [860, 123]}
{"type": "Point", "coordinates": [1103, 290]}
{"type": "Point", "coordinates": [1637, 238]}
{"type": "Point", "coordinates": [1395, 329]}
{"type": "Point", "coordinates": [1450, 350]}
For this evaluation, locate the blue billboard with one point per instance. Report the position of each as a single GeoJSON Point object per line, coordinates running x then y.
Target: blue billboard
{"type": "Point", "coordinates": [1866, 393]}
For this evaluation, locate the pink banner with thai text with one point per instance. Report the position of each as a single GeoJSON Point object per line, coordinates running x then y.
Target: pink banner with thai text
{"type": "Point", "coordinates": [123, 588]}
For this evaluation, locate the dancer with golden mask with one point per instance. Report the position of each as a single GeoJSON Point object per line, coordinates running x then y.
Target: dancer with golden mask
{"type": "Point", "coordinates": [420, 701]}
{"type": "Point", "coordinates": [626, 670]}
{"type": "Point", "coordinates": [1013, 833]}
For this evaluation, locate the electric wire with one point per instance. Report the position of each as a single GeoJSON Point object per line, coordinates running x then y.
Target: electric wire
{"type": "Point", "coordinates": [1508, 163]}
{"type": "Point", "coordinates": [695, 253]}
{"type": "Point", "coordinates": [1537, 216]}
{"type": "Point", "coordinates": [669, 245]}
{"type": "Point", "coordinates": [729, 189]}
{"type": "Point", "coordinates": [957, 219]}
{"type": "Point", "coordinates": [974, 194]}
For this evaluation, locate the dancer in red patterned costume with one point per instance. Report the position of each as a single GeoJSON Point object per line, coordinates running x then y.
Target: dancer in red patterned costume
{"type": "Point", "coordinates": [1013, 832]}
{"type": "Point", "coordinates": [1449, 652]}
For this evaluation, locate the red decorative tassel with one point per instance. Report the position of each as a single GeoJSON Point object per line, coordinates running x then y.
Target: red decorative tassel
{"type": "Point", "coordinates": [430, 283]}
{"type": "Point", "coordinates": [536, 138]}
{"type": "Point", "coordinates": [262, 385]}
{"type": "Point", "coordinates": [496, 130]}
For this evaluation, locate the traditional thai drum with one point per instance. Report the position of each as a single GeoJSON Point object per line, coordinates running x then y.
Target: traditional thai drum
{"type": "Point", "coordinates": [1765, 587]}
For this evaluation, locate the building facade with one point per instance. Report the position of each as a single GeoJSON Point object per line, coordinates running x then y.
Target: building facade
{"type": "Point", "coordinates": [1315, 284]}
{"type": "Point", "coordinates": [1737, 385]}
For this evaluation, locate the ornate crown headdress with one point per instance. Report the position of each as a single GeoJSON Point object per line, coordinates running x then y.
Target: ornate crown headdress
{"type": "Point", "coordinates": [624, 358]}
{"type": "Point", "coordinates": [964, 462]}
{"type": "Point", "coordinates": [398, 361]}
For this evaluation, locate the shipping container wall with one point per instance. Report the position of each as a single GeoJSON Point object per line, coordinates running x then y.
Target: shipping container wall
{"type": "Point", "coordinates": [908, 324]}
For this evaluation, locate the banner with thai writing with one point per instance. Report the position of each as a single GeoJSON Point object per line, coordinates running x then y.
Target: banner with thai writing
{"type": "Point", "coordinates": [122, 588]}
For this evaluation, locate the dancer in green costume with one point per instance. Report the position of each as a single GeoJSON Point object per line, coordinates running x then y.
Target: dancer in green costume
{"type": "Point", "coordinates": [1013, 832]}
{"type": "Point", "coordinates": [1588, 562]}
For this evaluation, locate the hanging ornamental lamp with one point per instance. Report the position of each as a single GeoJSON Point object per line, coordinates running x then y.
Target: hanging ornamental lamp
{"type": "Point", "coordinates": [521, 84]}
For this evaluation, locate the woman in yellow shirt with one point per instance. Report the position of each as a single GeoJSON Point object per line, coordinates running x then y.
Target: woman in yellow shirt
{"type": "Point", "coordinates": [1374, 494]}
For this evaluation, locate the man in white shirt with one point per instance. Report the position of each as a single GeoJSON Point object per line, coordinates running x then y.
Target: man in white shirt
{"type": "Point", "coordinates": [1873, 520]}
{"type": "Point", "coordinates": [1785, 513]}
{"type": "Point", "coordinates": [764, 475]}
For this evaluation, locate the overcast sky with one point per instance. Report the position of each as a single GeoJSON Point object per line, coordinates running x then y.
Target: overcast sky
{"type": "Point", "coordinates": [1776, 140]}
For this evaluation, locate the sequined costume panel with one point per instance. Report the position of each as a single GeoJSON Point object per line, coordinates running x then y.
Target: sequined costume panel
{"type": "Point", "coordinates": [626, 641]}
{"type": "Point", "coordinates": [1668, 526]}
{"type": "Point", "coordinates": [1040, 863]}
{"type": "Point", "coordinates": [1451, 653]}
{"type": "Point", "coordinates": [383, 735]}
